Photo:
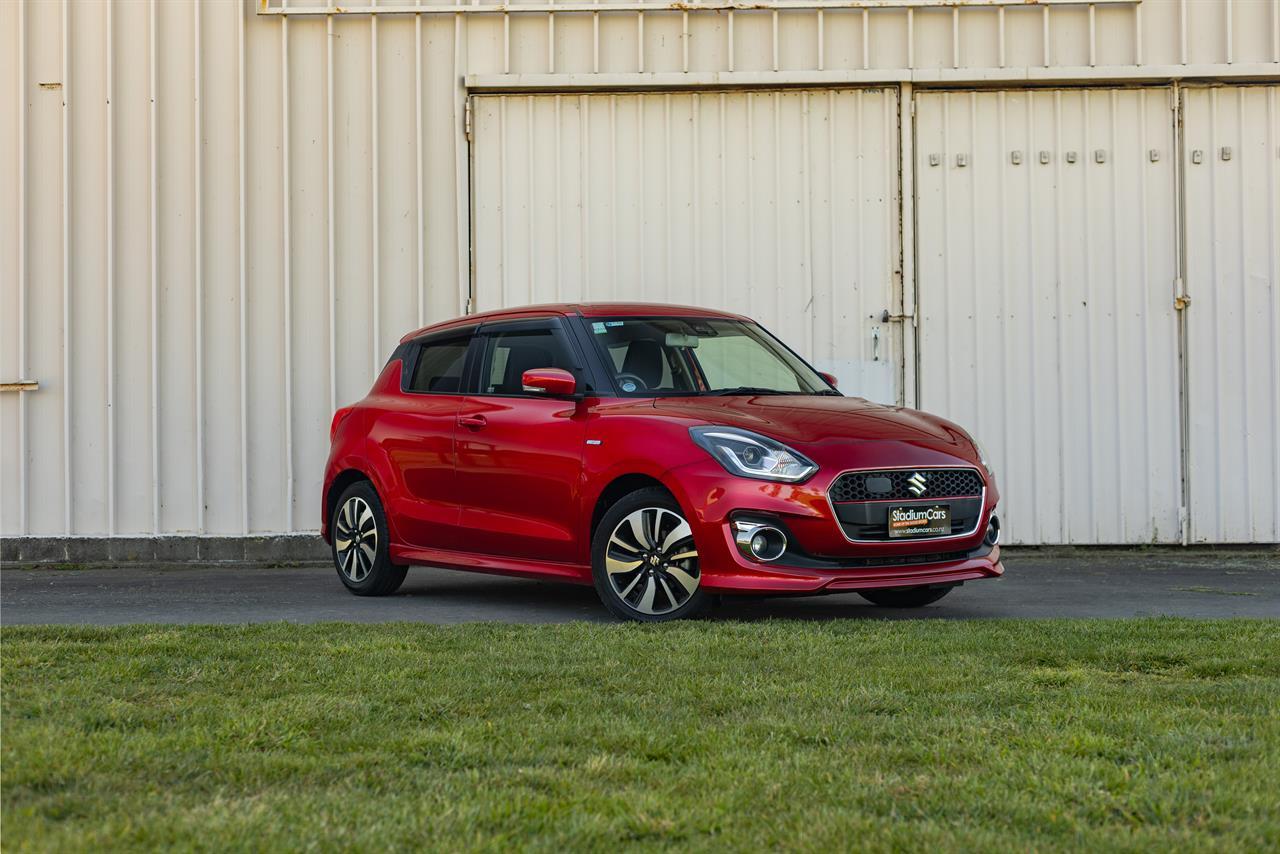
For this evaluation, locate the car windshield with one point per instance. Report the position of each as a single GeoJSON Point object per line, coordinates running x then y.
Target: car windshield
{"type": "Point", "coordinates": [652, 356]}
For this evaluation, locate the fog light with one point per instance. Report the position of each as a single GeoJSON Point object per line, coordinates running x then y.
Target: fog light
{"type": "Point", "coordinates": [759, 541]}
{"type": "Point", "coordinates": [993, 531]}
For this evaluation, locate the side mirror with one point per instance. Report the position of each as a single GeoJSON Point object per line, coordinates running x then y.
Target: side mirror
{"type": "Point", "coordinates": [556, 382]}
{"type": "Point", "coordinates": [830, 378]}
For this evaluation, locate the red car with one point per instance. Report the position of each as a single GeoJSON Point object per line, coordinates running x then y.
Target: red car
{"type": "Point", "coordinates": [664, 454]}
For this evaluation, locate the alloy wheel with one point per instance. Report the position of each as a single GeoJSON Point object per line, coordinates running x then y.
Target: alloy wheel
{"type": "Point", "coordinates": [356, 539]}
{"type": "Point", "coordinates": [651, 561]}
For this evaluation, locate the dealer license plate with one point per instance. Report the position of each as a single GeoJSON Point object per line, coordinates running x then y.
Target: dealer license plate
{"type": "Point", "coordinates": [920, 521]}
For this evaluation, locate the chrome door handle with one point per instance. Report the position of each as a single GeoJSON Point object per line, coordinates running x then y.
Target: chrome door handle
{"type": "Point", "coordinates": [475, 422]}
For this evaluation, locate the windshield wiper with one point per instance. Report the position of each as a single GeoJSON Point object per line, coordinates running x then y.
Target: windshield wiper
{"type": "Point", "coordinates": [746, 389]}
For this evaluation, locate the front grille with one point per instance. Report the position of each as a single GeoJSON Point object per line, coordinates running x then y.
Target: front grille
{"type": "Point", "coordinates": [894, 484]}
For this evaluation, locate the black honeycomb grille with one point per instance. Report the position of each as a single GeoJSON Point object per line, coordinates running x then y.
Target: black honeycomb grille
{"type": "Point", "coordinates": [897, 484]}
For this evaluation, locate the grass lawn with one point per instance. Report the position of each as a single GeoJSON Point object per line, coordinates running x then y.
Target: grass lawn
{"type": "Point", "coordinates": [1145, 734]}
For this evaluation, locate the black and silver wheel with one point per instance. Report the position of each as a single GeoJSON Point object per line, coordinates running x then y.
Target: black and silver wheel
{"type": "Point", "coordinates": [644, 559]}
{"type": "Point", "coordinates": [904, 597]}
{"type": "Point", "coordinates": [360, 553]}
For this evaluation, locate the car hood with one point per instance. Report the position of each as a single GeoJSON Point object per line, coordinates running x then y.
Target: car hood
{"type": "Point", "coordinates": [807, 422]}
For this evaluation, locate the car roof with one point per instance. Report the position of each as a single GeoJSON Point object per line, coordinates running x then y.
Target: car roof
{"type": "Point", "coordinates": [585, 309]}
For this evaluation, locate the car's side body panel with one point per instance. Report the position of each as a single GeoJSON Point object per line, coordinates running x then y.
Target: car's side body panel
{"type": "Point", "coordinates": [510, 483]}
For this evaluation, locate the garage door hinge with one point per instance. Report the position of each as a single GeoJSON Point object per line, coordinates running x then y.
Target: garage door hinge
{"type": "Point", "coordinates": [1181, 302]}
{"type": "Point", "coordinates": [466, 119]}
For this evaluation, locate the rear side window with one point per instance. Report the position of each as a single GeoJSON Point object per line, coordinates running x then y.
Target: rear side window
{"type": "Point", "coordinates": [439, 366]}
{"type": "Point", "coordinates": [510, 354]}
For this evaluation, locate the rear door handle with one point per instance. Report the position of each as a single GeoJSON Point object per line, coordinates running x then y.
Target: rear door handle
{"type": "Point", "coordinates": [475, 422]}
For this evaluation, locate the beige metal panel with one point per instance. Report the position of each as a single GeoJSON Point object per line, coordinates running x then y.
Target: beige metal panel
{"type": "Point", "coordinates": [220, 268]}
{"type": "Point", "coordinates": [129, 223]}
{"type": "Point", "coordinates": [662, 36]}
{"type": "Point", "coordinates": [308, 210]}
{"type": "Point", "coordinates": [90, 440]}
{"type": "Point", "coordinates": [12, 264]}
{"type": "Point", "coordinates": [708, 42]}
{"type": "Point", "coordinates": [1232, 185]}
{"type": "Point", "coordinates": [443, 158]}
{"type": "Point", "coordinates": [351, 162]}
{"type": "Point", "coordinates": [47, 497]}
{"type": "Point", "coordinates": [1250, 39]}
{"type": "Point", "coordinates": [1045, 299]}
{"type": "Point", "coordinates": [268, 426]}
{"type": "Point", "coordinates": [780, 205]}
{"type": "Point", "coordinates": [177, 282]}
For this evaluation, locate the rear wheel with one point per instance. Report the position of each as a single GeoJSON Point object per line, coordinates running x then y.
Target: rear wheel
{"type": "Point", "coordinates": [644, 560]}
{"type": "Point", "coordinates": [910, 597]}
{"type": "Point", "coordinates": [360, 543]}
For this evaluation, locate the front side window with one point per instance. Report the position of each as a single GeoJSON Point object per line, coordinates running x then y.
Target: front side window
{"type": "Point", "coordinates": [439, 366]}
{"type": "Point", "coordinates": [691, 356]}
{"type": "Point", "coordinates": [509, 354]}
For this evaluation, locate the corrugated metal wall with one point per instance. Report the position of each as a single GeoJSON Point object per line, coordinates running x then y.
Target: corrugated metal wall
{"type": "Point", "coordinates": [782, 205]}
{"type": "Point", "coordinates": [219, 221]}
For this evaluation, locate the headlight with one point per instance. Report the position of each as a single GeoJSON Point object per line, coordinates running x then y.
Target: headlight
{"type": "Point", "coordinates": [748, 454]}
{"type": "Point", "coordinates": [982, 455]}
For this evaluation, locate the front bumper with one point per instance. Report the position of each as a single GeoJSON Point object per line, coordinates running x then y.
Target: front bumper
{"type": "Point", "coordinates": [820, 558]}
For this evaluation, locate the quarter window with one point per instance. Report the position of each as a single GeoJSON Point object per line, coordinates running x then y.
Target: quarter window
{"type": "Point", "coordinates": [439, 367]}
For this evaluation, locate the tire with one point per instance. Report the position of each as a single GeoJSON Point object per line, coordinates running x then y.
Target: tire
{"type": "Point", "coordinates": [910, 597]}
{"type": "Point", "coordinates": [365, 571]}
{"type": "Point", "coordinates": [644, 568]}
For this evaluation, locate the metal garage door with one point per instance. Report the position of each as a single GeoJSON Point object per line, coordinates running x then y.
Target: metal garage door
{"type": "Point", "coordinates": [779, 205]}
{"type": "Point", "coordinates": [1231, 160]}
{"type": "Point", "coordinates": [1047, 259]}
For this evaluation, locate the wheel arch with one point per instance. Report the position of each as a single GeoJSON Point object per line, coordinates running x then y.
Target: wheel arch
{"type": "Point", "coordinates": [337, 486]}
{"type": "Point", "coordinates": [618, 488]}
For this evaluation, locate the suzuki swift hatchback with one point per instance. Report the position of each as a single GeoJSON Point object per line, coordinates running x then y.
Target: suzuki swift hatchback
{"type": "Point", "coordinates": [664, 454]}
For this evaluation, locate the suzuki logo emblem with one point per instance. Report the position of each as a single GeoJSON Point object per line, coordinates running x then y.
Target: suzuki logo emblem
{"type": "Point", "coordinates": [915, 484]}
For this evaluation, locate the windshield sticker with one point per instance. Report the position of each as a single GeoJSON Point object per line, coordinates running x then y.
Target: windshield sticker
{"type": "Point", "coordinates": [597, 328]}
{"type": "Point", "coordinates": [612, 323]}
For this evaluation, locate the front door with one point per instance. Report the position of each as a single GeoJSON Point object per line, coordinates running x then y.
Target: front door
{"type": "Point", "coordinates": [519, 467]}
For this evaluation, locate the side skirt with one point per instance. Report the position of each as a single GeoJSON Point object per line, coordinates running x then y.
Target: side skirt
{"type": "Point", "coordinates": [493, 564]}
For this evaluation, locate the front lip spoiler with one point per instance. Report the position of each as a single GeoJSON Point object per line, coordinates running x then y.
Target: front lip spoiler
{"type": "Point", "coordinates": [775, 579]}
{"type": "Point", "coordinates": [927, 576]}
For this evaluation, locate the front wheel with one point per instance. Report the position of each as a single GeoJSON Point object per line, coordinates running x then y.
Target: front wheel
{"type": "Point", "coordinates": [361, 550]}
{"type": "Point", "coordinates": [644, 560]}
{"type": "Point", "coordinates": [910, 597]}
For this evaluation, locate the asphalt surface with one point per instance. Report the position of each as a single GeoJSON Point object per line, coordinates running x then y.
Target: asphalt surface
{"type": "Point", "coordinates": [1073, 583]}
